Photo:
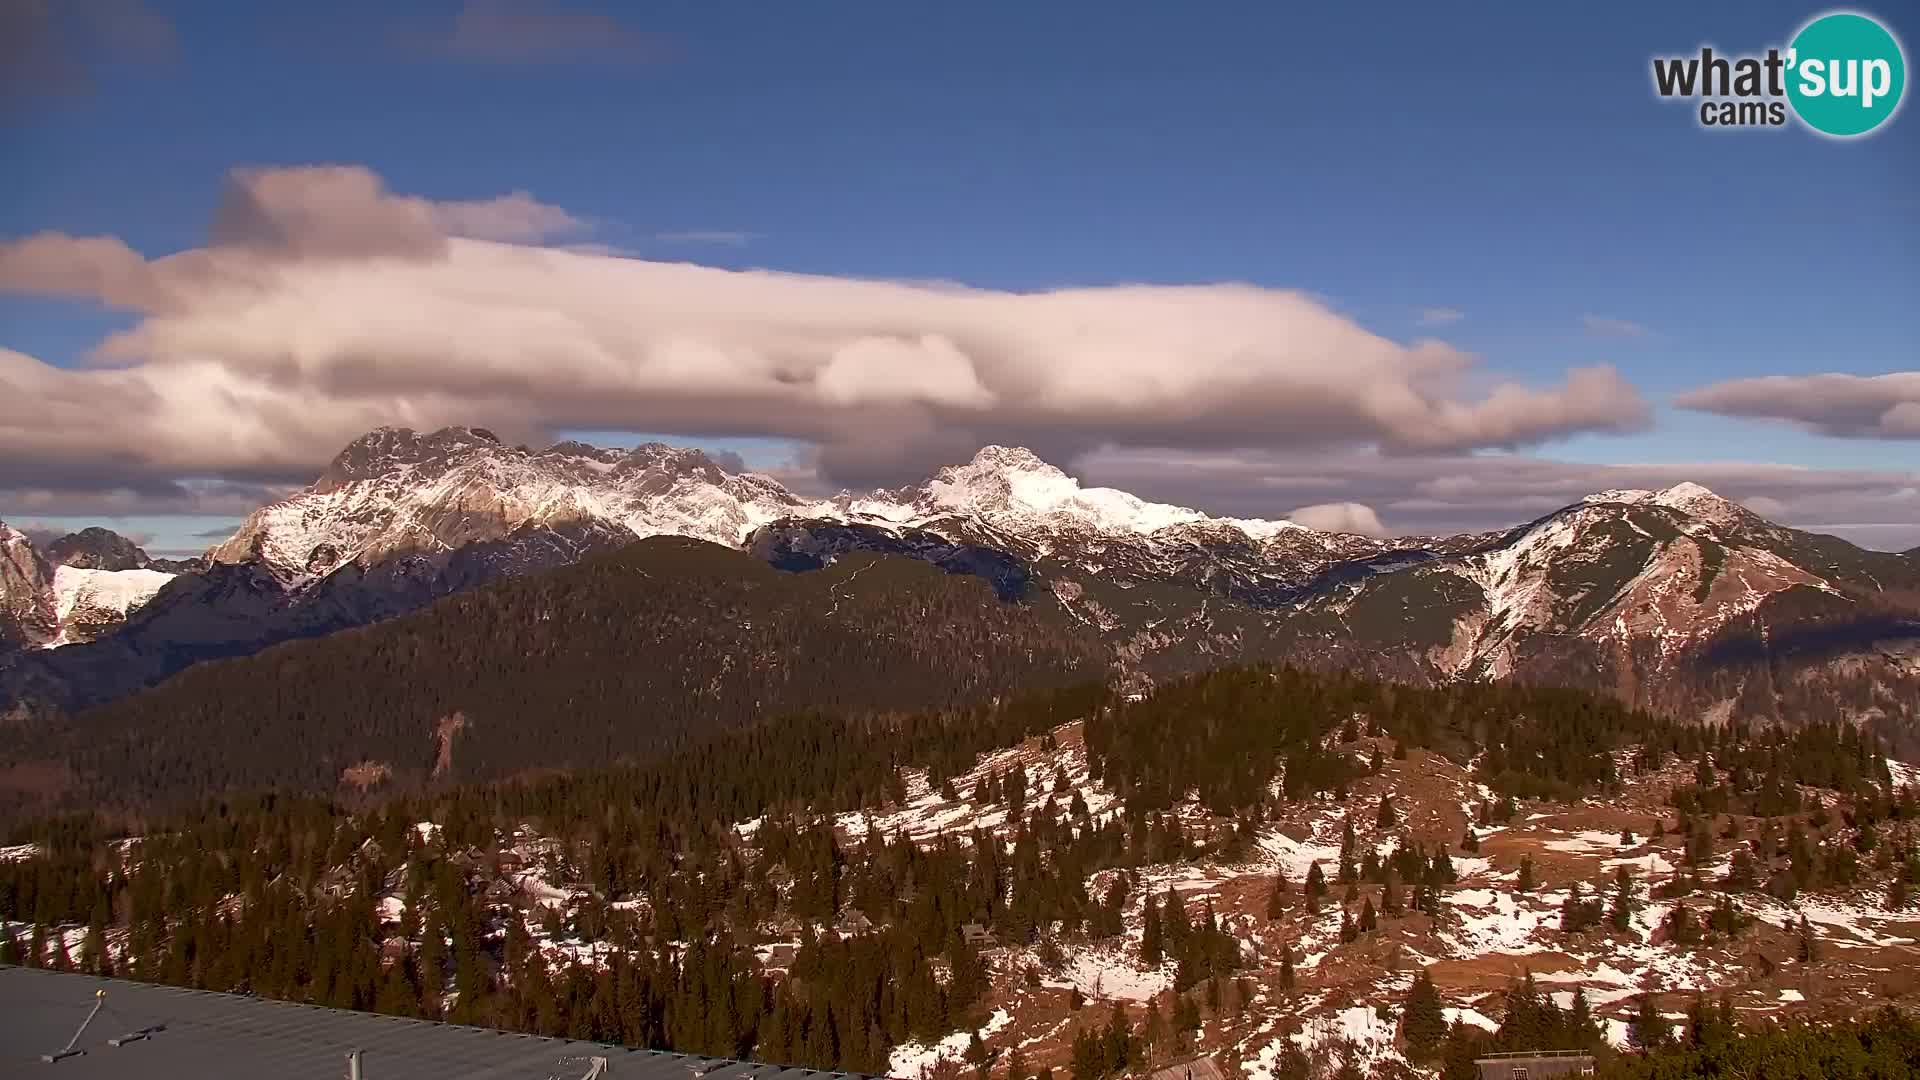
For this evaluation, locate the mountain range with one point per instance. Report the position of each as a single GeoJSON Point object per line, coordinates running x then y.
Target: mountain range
{"type": "Point", "coordinates": [1677, 599]}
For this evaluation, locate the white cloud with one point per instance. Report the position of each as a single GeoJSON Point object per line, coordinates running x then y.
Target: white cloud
{"type": "Point", "coordinates": [327, 305]}
{"type": "Point", "coordinates": [1841, 405]}
{"type": "Point", "coordinates": [1343, 517]}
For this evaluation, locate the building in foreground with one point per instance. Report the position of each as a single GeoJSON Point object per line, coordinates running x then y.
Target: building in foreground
{"type": "Point", "coordinates": [167, 1033]}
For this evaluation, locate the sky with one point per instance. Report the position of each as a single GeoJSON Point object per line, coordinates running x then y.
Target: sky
{"type": "Point", "coordinates": [1410, 269]}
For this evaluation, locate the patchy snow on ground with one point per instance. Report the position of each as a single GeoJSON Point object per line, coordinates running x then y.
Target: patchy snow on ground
{"type": "Point", "coordinates": [1497, 921]}
{"type": "Point", "coordinates": [1472, 1018]}
{"type": "Point", "coordinates": [1840, 923]}
{"type": "Point", "coordinates": [1585, 842]}
{"type": "Point", "coordinates": [1108, 973]}
{"type": "Point", "coordinates": [909, 1061]}
{"type": "Point", "coordinates": [926, 816]}
{"type": "Point", "coordinates": [1359, 1026]}
{"type": "Point", "coordinates": [1297, 857]}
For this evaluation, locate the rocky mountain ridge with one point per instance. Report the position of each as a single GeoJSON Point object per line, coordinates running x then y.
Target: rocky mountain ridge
{"type": "Point", "coordinates": [1676, 598]}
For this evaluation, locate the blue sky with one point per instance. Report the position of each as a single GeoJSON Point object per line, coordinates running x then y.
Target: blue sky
{"type": "Point", "coordinates": [1512, 167]}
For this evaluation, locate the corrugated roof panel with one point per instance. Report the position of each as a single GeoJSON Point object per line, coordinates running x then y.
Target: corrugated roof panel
{"type": "Point", "coordinates": [210, 1036]}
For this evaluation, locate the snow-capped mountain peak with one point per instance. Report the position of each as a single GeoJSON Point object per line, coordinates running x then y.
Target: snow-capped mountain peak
{"type": "Point", "coordinates": [1687, 498]}
{"type": "Point", "coordinates": [399, 492]}
{"type": "Point", "coordinates": [1014, 488]}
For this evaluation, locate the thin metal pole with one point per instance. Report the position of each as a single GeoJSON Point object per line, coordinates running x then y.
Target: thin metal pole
{"type": "Point", "coordinates": [99, 999]}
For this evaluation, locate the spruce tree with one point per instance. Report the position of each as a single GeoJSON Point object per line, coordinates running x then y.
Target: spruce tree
{"type": "Point", "coordinates": [1152, 945]}
{"type": "Point", "coordinates": [1647, 1030]}
{"type": "Point", "coordinates": [1277, 895]}
{"type": "Point", "coordinates": [1580, 1018]}
{"type": "Point", "coordinates": [1424, 1018]}
{"type": "Point", "coordinates": [1624, 903]}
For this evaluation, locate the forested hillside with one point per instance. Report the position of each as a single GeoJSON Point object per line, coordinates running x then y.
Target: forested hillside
{"type": "Point", "coordinates": [578, 667]}
{"type": "Point", "coordinates": [847, 889]}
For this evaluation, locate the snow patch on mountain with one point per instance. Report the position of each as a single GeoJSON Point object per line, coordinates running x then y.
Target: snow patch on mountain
{"type": "Point", "coordinates": [85, 599]}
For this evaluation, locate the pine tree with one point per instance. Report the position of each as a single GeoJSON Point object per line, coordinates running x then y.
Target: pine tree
{"type": "Point", "coordinates": [1277, 895]}
{"type": "Point", "coordinates": [1369, 919]}
{"type": "Point", "coordinates": [1699, 844]}
{"type": "Point", "coordinates": [1120, 1051]}
{"type": "Point", "coordinates": [980, 1057]}
{"type": "Point", "coordinates": [1316, 886]}
{"type": "Point", "coordinates": [1347, 930]}
{"type": "Point", "coordinates": [1580, 1018]}
{"type": "Point", "coordinates": [93, 948]}
{"type": "Point", "coordinates": [1387, 817]}
{"type": "Point", "coordinates": [1153, 1028]}
{"type": "Point", "coordinates": [1647, 1029]}
{"type": "Point", "coordinates": [1286, 970]}
{"type": "Point", "coordinates": [1525, 884]}
{"type": "Point", "coordinates": [1624, 903]}
{"type": "Point", "coordinates": [1152, 945]}
{"type": "Point", "coordinates": [1808, 950]}
{"type": "Point", "coordinates": [1424, 1017]}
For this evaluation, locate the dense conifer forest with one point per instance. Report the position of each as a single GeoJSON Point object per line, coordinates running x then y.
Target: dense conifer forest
{"type": "Point", "coordinates": [281, 894]}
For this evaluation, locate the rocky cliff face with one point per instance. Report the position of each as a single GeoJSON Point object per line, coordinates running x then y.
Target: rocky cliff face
{"type": "Point", "coordinates": [97, 549]}
{"type": "Point", "coordinates": [26, 593]}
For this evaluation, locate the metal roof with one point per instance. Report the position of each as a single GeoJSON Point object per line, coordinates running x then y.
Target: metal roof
{"type": "Point", "coordinates": [208, 1036]}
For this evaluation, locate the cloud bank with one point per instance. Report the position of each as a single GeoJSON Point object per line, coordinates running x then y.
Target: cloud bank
{"type": "Point", "coordinates": [324, 304]}
{"type": "Point", "coordinates": [1453, 493]}
{"type": "Point", "coordinates": [1846, 406]}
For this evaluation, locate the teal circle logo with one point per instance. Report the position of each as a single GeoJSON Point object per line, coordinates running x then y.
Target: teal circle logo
{"type": "Point", "coordinates": [1845, 74]}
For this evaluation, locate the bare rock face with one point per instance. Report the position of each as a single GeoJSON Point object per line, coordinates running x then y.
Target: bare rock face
{"type": "Point", "coordinates": [27, 613]}
{"type": "Point", "coordinates": [97, 549]}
